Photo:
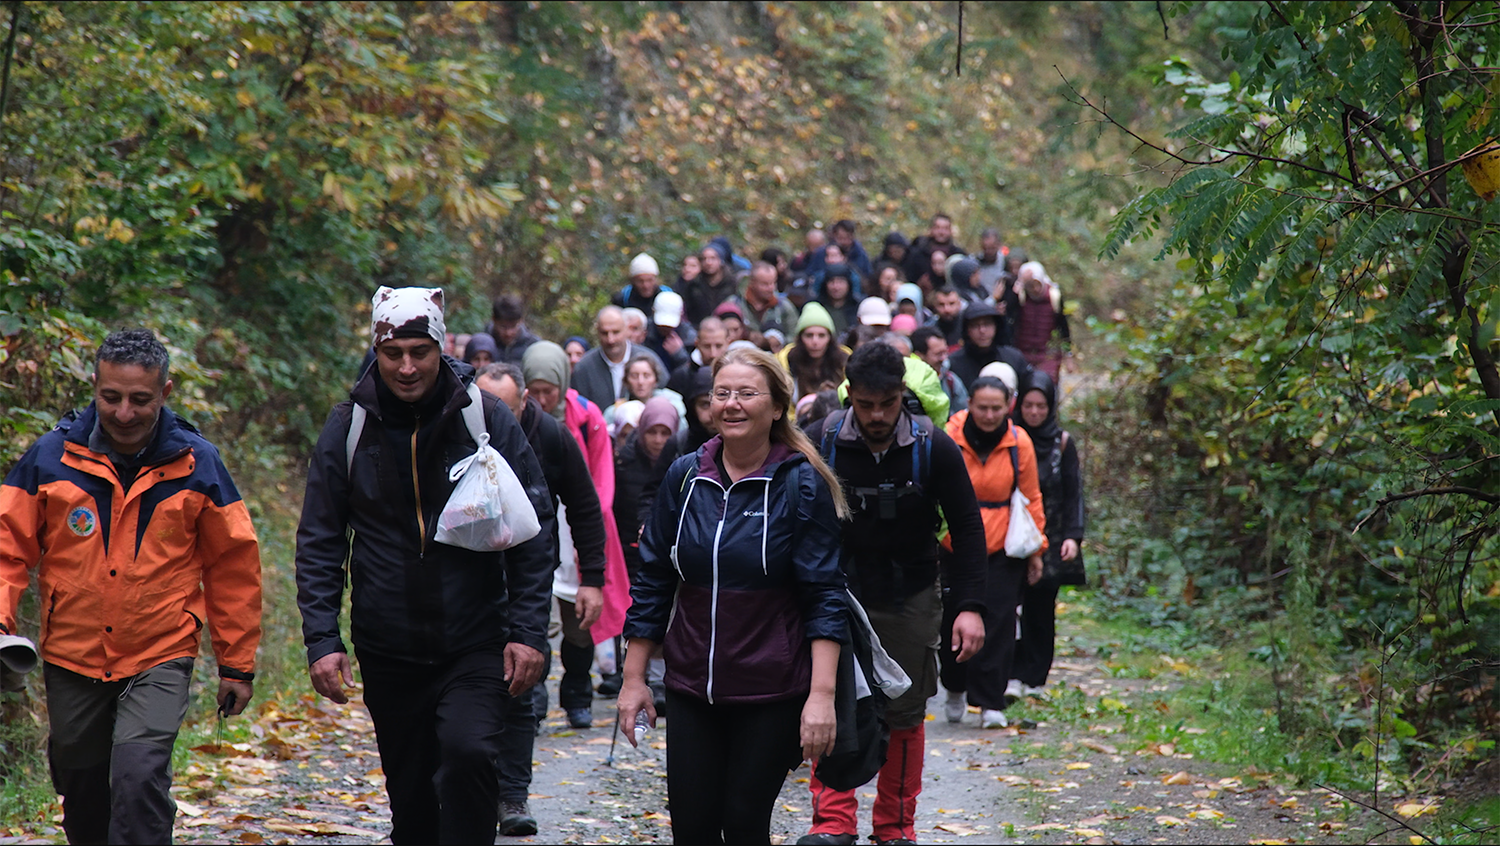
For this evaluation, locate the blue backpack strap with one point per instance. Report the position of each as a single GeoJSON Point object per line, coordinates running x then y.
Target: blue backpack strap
{"type": "Point", "coordinates": [921, 454]}
{"type": "Point", "coordinates": [830, 432]}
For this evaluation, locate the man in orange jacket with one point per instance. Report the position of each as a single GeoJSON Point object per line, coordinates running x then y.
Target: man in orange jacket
{"type": "Point", "coordinates": [139, 538]}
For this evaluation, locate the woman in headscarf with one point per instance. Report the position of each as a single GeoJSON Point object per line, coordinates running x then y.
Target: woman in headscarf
{"type": "Point", "coordinates": [814, 358]}
{"type": "Point", "coordinates": [546, 370]}
{"type": "Point", "coordinates": [1061, 478]}
{"type": "Point", "coordinates": [1041, 327]}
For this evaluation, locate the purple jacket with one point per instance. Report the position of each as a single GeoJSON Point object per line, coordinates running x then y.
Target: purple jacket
{"type": "Point", "coordinates": [736, 578]}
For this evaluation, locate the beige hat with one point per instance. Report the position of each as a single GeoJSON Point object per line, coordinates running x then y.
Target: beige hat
{"type": "Point", "coordinates": [643, 265]}
{"type": "Point", "coordinates": [1002, 371]}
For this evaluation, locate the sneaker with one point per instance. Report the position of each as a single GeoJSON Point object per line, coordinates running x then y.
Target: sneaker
{"type": "Point", "coordinates": [1040, 691]}
{"type": "Point", "coordinates": [993, 719]}
{"type": "Point", "coordinates": [827, 840]}
{"type": "Point", "coordinates": [1014, 689]}
{"type": "Point", "coordinates": [895, 841]}
{"type": "Point", "coordinates": [516, 820]}
{"type": "Point", "coordinates": [580, 718]}
{"type": "Point", "coordinates": [954, 708]}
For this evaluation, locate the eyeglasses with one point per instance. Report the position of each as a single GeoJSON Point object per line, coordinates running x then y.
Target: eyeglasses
{"type": "Point", "coordinates": [723, 395]}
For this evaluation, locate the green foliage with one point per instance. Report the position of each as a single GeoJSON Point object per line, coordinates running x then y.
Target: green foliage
{"type": "Point", "coordinates": [1325, 354]}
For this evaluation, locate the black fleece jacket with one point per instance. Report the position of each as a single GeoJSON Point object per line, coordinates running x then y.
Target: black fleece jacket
{"type": "Point", "coordinates": [413, 599]}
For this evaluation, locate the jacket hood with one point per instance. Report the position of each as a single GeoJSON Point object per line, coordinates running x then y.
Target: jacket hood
{"type": "Point", "coordinates": [909, 291]}
{"type": "Point", "coordinates": [721, 245]}
{"type": "Point", "coordinates": [848, 272]}
{"type": "Point", "coordinates": [814, 314]}
{"type": "Point", "coordinates": [961, 272]}
{"type": "Point", "coordinates": [481, 342]}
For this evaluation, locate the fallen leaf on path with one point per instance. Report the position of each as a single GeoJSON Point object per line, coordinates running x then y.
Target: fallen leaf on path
{"type": "Point", "coordinates": [251, 837]}
{"type": "Point", "coordinates": [289, 827]}
{"type": "Point", "coordinates": [1270, 841]}
{"type": "Point", "coordinates": [598, 741]}
{"type": "Point", "coordinates": [956, 828]}
{"type": "Point", "coordinates": [1170, 821]}
{"type": "Point", "coordinates": [1079, 765]}
{"type": "Point", "coordinates": [189, 809]}
{"type": "Point", "coordinates": [1416, 809]}
{"type": "Point", "coordinates": [250, 792]}
{"type": "Point", "coordinates": [1094, 820]}
{"type": "Point", "coordinates": [656, 816]}
{"type": "Point", "coordinates": [793, 809]}
{"type": "Point", "coordinates": [1289, 804]}
{"type": "Point", "coordinates": [1206, 814]}
{"type": "Point", "coordinates": [1047, 827]}
{"type": "Point", "coordinates": [225, 751]}
{"type": "Point", "coordinates": [1179, 777]}
{"type": "Point", "coordinates": [1087, 832]}
{"type": "Point", "coordinates": [201, 821]}
{"type": "Point", "coordinates": [1095, 745]}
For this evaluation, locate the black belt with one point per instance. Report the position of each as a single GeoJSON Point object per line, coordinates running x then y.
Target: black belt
{"type": "Point", "coordinates": [987, 504]}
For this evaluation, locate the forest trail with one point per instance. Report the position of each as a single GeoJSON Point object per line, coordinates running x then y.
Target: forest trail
{"type": "Point", "coordinates": [1072, 768]}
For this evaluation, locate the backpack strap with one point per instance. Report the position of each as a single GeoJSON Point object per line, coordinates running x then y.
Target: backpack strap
{"type": "Point", "coordinates": [921, 454]}
{"type": "Point", "coordinates": [356, 428]}
{"type": "Point", "coordinates": [830, 434]}
{"type": "Point", "coordinates": [1015, 465]}
{"type": "Point", "coordinates": [474, 413]}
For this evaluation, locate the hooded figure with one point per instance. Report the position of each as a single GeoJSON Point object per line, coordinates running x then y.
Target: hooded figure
{"type": "Point", "coordinates": [972, 357]}
{"type": "Point", "coordinates": [482, 342]}
{"type": "Point", "coordinates": [894, 249]}
{"type": "Point", "coordinates": [844, 314]}
{"type": "Point", "coordinates": [686, 440]}
{"type": "Point", "coordinates": [1061, 480]}
{"type": "Point", "coordinates": [963, 277]}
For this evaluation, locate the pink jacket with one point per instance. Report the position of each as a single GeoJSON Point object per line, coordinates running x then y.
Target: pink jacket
{"type": "Point", "coordinates": [585, 421]}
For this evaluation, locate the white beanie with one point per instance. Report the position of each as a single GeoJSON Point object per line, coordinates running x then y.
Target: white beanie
{"type": "Point", "coordinates": [643, 265]}
{"type": "Point", "coordinates": [407, 313]}
{"type": "Point", "coordinates": [1002, 371]}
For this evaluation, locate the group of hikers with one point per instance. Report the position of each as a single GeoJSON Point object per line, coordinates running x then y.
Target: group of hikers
{"type": "Point", "coordinates": [750, 485]}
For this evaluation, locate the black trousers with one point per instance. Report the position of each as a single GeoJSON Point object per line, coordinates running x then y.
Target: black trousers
{"type": "Point", "coordinates": [439, 729]}
{"type": "Point", "coordinates": [110, 751]}
{"type": "Point", "coordinates": [726, 765]}
{"type": "Point", "coordinates": [1038, 633]}
{"type": "Point", "coordinates": [985, 675]}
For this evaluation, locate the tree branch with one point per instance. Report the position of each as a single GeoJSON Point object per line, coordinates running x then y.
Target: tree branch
{"type": "Point", "coordinates": [1452, 490]}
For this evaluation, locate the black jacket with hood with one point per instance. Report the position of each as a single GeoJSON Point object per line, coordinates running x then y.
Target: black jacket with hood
{"type": "Point", "coordinates": [413, 599]}
{"type": "Point", "coordinates": [969, 360]}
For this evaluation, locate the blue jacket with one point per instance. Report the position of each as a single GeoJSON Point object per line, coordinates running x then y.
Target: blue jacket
{"type": "Point", "coordinates": [736, 578]}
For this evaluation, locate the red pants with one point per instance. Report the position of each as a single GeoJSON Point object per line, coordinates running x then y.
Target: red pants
{"type": "Point", "coordinates": [895, 813]}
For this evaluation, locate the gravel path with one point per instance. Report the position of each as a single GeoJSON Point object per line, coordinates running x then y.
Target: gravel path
{"type": "Point", "coordinates": [308, 773]}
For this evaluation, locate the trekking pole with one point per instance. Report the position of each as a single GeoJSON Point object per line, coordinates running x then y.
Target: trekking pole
{"type": "Point", "coordinates": [614, 738]}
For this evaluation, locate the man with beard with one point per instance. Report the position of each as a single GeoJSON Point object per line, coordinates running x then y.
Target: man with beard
{"type": "Point", "coordinates": [939, 237]}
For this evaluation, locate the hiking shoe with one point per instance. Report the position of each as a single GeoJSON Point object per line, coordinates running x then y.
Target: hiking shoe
{"type": "Point", "coordinates": [610, 685]}
{"type": "Point", "coordinates": [580, 718]}
{"type": "Point", "coordinates": [827, 840]}
{"type": "Point", "coordinates": [516, 820]}
{"type": "Point", "coordinates": [895, 841]}
{"type": "Point", "coordinates": [993, 719]}
{"type": "Point", "coordinates": [954, 708]}
{"type": "Point", "coordinates": [1040, 691]}
{"type": "Point", "coordinates": [1014, 689]}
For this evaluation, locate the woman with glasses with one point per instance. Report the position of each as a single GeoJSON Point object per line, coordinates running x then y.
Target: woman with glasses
{"type": "Point", "coordinates": [740, 584]}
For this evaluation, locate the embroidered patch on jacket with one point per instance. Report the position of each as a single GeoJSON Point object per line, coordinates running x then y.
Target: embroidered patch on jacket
{"type": "Point", "coordinates": [82, 521]}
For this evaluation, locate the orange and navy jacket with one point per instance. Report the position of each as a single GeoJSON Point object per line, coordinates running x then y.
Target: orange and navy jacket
{"type": "Point", "coordinates": [127, 576]}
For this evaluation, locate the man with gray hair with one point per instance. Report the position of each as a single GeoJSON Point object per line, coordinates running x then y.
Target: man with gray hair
{"type": "Point", "coordinates": [599, 376]}
{"type": "Point", "coordinates": [139, 539]}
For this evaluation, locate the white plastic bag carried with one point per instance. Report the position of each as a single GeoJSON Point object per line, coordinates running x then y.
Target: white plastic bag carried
{"type": "Point", "coordinates": [488, 510]}
{"type": "Point", "coordinates": [1022, 538]}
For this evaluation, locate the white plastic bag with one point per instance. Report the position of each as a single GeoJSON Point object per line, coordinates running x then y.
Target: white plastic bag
{"type": "Point", "coordinates": [488, 511]}
{"type": "Point", "coordinates": [1022, 538]}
